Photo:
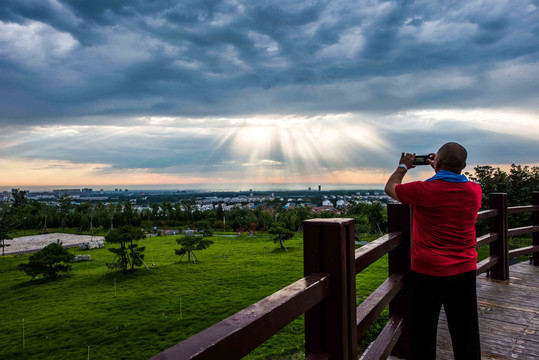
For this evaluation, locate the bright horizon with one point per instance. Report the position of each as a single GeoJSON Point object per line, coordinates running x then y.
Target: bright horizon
{"type": "Point", "coordinates": [243, 94]}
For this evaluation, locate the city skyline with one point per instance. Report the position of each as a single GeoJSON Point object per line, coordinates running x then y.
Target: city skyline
{"type": "Point", "coordinates": [238, 94]}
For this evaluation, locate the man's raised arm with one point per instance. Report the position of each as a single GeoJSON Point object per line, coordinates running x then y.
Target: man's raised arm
{"type": "Point", "coordinates": [406, 162]}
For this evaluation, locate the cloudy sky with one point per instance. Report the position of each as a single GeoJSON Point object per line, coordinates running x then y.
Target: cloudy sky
{"type": "Point", "coordinates": [228, 92]}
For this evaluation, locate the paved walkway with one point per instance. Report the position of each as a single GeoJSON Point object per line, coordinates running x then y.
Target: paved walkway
{"type": "Point", "coordinates": [28, 244]}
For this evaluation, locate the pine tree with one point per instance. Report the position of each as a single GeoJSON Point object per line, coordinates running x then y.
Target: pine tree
{"type": "Point", "coordinates": [191, 243]}
{"type": "Point", "coordinates": [52, 259]}
{"type": "Point", "coordinates": [282, 233]}
{"type": "Point", "coordinates": [129, 254]}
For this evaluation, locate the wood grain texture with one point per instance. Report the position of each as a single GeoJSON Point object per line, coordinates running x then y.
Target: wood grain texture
{"type": "Point", "coordinates": [508, 317]}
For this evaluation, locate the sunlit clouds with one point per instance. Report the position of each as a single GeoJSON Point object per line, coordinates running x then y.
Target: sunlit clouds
{"type": "Point", "coordinates": [243, 93]}
{"type": "Point", "coordinates": [267, 149]}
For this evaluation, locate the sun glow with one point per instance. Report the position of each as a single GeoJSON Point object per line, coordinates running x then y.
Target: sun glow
{"type": "Point", "coordinates": [300, 149]}
{"type": "Point", "coordinates": [326, 149]}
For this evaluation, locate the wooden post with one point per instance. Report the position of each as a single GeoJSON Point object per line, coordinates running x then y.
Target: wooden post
{"type": "Point", "coordinates": [498, 224]}
{"type": "Point", "coordinates": [535, 222]}
{"type": "Point", "coordinates": [400, 220]}
{"type": "Point", "coordinates": [330, 327]}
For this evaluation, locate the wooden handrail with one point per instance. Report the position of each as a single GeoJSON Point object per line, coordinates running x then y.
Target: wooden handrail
{"type": "Point", "coordinates": [486, 214]}
{"type": "Point", "coordinates": [522, 209]}
{"type": "Point", "coordinates": [245, 330]}
{"type": "Point", "coordinates": [486, 239]}
{"type": "Point", "coordinates": [384, 343]}
{"type": "Point", "coordinates": [486, 264]}
{"type": "Point", "coordinates": [523, 251]}
{"type": "Point", "coordinates": [373, 306]}
{"type": "Point", "coordinates": [522, 230]}
{"type": "Point", "coordinates": [369, 253]}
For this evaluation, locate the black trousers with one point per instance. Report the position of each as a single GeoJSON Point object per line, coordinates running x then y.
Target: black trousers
{"type": "Point", "coordinates": [458, 295]}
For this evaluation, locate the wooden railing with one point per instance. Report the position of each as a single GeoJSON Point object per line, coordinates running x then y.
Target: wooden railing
{"type": "Point", "coordinates": [499, 233]}
{"type": "Point", "coordinates": [327, 293]}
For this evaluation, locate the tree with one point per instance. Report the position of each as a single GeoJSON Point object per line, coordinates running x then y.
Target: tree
{"type": "Point", "coordinates": [52, 259]}
{"type": "Point", "coordinates": [377, 216]}
{"type": "Point", "coordinates": [191, 243]}
{"type": "Point", "coordinates": [491, 180]}
{"type": "Point", "coordinates": [65, 206]}
{"type": "Point", "coordinates": [155, 211]}
{"type": "Point", "coordinates": [205, 226]}
{"type": "Point", "coordinates": [219, 225]}
{"type": "Point", "coordinates": [282, 233]}
{"type": "Point", "coordinates": [129, 253]}
{"type": "Point", "coordinates": [220, 214]}
{"type": "Point", "coordinates": [519, 184]}
{"type": "Point", "coordinates": [4, 229]}
{"type": "Point", "coordinates": [20, 198]}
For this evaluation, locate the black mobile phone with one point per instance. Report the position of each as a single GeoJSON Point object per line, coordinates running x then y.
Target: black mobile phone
{"type": "Point", "coordinates": [422, 159]}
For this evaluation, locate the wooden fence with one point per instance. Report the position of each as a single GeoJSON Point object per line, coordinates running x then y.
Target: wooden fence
{"type": "Point", "coordinates": [327, 293]}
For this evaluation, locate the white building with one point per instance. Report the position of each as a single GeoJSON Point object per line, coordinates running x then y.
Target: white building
{"type": "Point", "coordinates": [327, 203]}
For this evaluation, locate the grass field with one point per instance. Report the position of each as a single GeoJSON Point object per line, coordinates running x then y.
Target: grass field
{"type": "Point", "coordinates": [136, 316]}
{"type": "Point", "coordinates": [139, 315]}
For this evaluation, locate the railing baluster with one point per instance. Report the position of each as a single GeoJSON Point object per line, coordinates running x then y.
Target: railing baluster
{"type": "Point", "coordinates": [400, 220]}
{"type": "Point", "coordinates": [535, 222]}
{"type": "Point", "coordinates": [330, 326]}
{"type": "Point", "coordinates": [498, 224]}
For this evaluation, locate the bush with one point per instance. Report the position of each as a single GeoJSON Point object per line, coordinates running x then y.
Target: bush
{"type": "Point", "coordinates": [52, 259]}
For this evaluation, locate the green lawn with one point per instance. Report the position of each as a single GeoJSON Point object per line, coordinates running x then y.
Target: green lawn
{"type": "Point", "coordinates": [139, 315]}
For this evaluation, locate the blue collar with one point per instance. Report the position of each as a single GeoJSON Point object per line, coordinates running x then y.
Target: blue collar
{"type": "Point", "coordinates": [448, 176]}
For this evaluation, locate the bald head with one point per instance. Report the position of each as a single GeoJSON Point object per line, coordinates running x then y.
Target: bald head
{"type": "Point", "coordinates": [452, 157]}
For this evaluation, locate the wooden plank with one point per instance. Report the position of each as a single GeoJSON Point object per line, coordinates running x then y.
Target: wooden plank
{"type": "Point", "coordinates": [486, 239]}
{"type": "Point", "coordinates": [329, 248]}
{"type": "Point", "coordinates": [239, 334]}
{"type": "Point", "coordinates": [485, 214]}
{"type": "Point", "coordinates": [522, 230]}
{"type": "Point", "coordinates": [373, 306]}
{"type": "Point", "coordinates": [499, 224]}
{"type": "Point", "coordinates": [535, 221]}
{"type": "Point", "coordinates": [369, 253]}
{"type": "Point", "coordinates": [508, 317]}
{"type": "Point", "coordinates": [482, 266]}
{"type": "Point", "coordinates": [523, 251]}
{"type": "Point", "coordinates": [521, 209]}
{"type": "Point", "coordinates": [384, 343]}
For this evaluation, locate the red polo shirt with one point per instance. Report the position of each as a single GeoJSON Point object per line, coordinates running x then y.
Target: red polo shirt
{"type": "Point", "coordinates": [444, 215]}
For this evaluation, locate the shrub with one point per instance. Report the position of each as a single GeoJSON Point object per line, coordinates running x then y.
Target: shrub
{"type": "Point", "coordinates": [52, 259]}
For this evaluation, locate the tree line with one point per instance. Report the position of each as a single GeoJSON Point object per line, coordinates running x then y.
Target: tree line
{"type": "Point", "coordinates": [23, 213]}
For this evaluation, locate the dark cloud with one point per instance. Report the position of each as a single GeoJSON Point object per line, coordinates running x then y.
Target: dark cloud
{"type": "Point", "coordinates": [92, 77]}
{"type": "Point", "coordinates": [201, 58]}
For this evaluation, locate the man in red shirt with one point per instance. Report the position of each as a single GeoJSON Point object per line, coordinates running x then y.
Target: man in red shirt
{"type": "Point", "coordinates": [444, 260]}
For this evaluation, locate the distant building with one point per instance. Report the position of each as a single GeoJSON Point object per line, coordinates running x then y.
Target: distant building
{"type": "Point", "coordinates": [327, 203]}
{"type": "Point", "coordinates": [5, 196]}
{"type": "Point", "coordinates": [319, 187]}
{"type": "Point", "coordinates": [318, 209]}
{"type": "Point", "coordinates": [70, 192]}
